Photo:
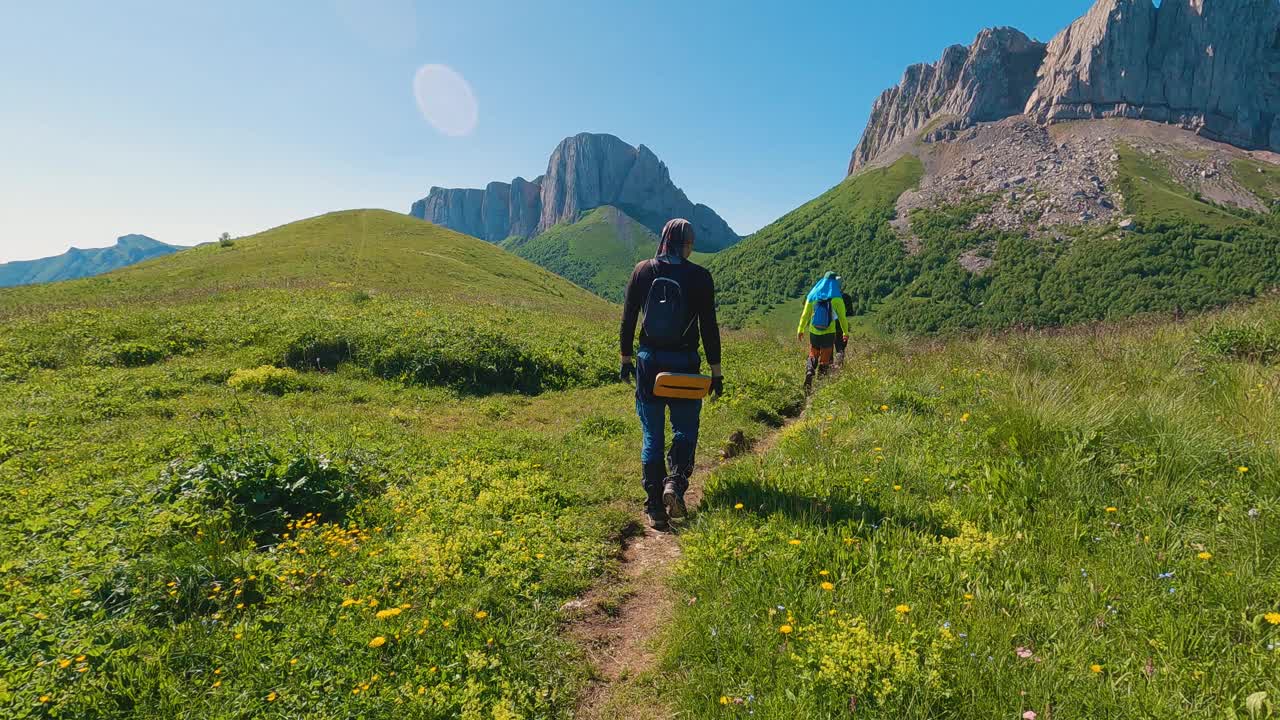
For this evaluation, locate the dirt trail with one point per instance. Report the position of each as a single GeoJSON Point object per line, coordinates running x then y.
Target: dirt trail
{"type": "Point", "coordinates": [619, 620]}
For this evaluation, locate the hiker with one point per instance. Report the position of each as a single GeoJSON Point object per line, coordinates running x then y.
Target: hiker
{"type": "Point", "coordinates": [824, 316]}
{"type": "Point", "coordinates": [679, 304]}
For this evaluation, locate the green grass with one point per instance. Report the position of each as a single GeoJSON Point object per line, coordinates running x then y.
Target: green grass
{"type": "Point", "coordinates": [1262, 179]}
{"type": "Point", "coordinates": [1150, 191]}
{"type": "Point", "coordinates": [1081, 524]}
{"type": "Point", "coordinates": [598, 252]}
{"type": "Point", "coordinates": [846, 229]}
{"type": "Point", "coordinates": [166, 430]}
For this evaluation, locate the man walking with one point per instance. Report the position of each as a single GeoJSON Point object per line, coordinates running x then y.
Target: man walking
{"type": "Point", "coordinates": [679, 303]}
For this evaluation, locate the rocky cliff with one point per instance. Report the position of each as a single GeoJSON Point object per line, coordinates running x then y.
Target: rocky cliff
{"type": "Point", "coordinates": [585, 172]}
{"type": "Point", "coordinates": [989, 80]}
{"type": "Point", "coordinates": [1210, 66]}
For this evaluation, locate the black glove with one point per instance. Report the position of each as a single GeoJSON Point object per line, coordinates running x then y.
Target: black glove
{"type": "Point", "coordinates": [717, 386]}
{"type": "Point", "coordinates": [627, 373]}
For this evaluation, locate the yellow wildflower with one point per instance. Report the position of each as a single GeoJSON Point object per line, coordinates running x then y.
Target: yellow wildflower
{"type": "Point", "coordinates": [823, 573]}
{"type": "Point", "coordinates": [785, 629]}
{"type": "Point", "coordinates": [388, 613]}
{"type": "Point", "coordinates": [724, 699]}
{"type": "Point", "coordinates": [481, 614]}
{"type": "Point", "coordinates": [63, 663]}
{"type": "Point", "coordinates": [793, 541]}
{"type": "Point", "coordinates": [1205, 555]}
{"type": "Point", "coordinates": [1111, 509]}
{"type": "Point", "coordinates": [737, 506]}
{"type": "Point", "coordinates": [1273, 618]}
{"type": "Point", "coordinates": [1242, 469]}
{"type": "Point", "coordinates": [1096, 668]}
{"type": "Point", "coordinates": [828, 586]}
{"type": "Point", "coordinates": [903, 609]}
{"type": "Point", "coordinates": [271, 696]}
{"type": "Point", "coordinates": [377, 642]}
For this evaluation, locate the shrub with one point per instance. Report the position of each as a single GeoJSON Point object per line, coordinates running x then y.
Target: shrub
{"type": "Point", "coordinates": [137, 354]}
{"type": "Point", "coordinates": [314, 351]}
{"type": "Point", "coordinates": [259, 488]}
{"type": "Point", "coordinates": [266, 379]}
{"type": "Point", "coordinates": [1255, 342]}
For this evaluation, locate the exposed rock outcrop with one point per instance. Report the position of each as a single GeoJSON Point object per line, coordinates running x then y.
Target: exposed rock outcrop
{"type": "Point", "coordinates": [989, 80]}
{"type": "Point", "coordinates": [585, 172]}
{"type": "Point", "coordinates": [1210, 66]}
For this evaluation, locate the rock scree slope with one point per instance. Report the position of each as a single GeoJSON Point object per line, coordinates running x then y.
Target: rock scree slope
{"type": "Point", "coordinates": [1208, 66]}
{"type": "Point", "coordinates": [584, 172]}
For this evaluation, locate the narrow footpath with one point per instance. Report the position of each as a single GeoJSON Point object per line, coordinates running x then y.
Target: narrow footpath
{"type": "Point", "coordinates": [619, 622]}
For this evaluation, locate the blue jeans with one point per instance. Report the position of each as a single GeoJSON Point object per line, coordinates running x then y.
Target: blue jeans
{"type": "Point", "coordinates": [684, 431]}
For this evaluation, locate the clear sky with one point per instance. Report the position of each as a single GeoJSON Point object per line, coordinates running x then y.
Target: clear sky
{"type": "Point", "coordinates": [180, 120]}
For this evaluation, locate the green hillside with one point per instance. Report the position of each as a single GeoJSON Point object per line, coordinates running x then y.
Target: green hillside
{"type": "Point", "coordinates": [1182, 253]}
{"type": "Point", "coordinates": [365, 250]}
{"type": "Point", "coordinates": [846, 229]}
{"type": "Point", "coordinates": [598, 252]}
{"type": "Point", "coordinates": [328, 472]}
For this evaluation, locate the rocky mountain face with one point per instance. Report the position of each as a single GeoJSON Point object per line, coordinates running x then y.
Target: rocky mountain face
{"type": "Point", "coordinates": [585, 172]}
{"type": "Point", "coordinates": [989, 80]}
{"type": "Point", "coordinates": [1209, 66]}
{"type": "Point", "coordinates": [77, 263]}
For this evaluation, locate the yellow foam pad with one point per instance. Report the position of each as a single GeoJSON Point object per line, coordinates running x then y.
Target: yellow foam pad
{"type": "Point", "coordinates": [682, 386]}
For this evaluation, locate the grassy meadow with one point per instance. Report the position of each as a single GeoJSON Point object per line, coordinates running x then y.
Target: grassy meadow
{"type": "Point", "coordinates": [1079, 524]}
{"type": "Point", "coordinates": [309, 475]}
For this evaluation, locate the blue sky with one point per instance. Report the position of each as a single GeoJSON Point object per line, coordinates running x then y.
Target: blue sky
{"type": "Point", "coordinates": [182, 120]}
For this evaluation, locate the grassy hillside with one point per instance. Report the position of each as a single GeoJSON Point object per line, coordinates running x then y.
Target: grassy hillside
{"type": "Point", "coordinates": [327, 472]}
{"type": "Point", "coordinates": [363, 250]}
{"type": "Point", "coordinates": [598, 252]}
{"type": "Point", "coordinates": [1182, 253]}
{"type": "Point", "coordinates": [846, 229]}
{"type": "Point", "coordinates": [1079, 525]}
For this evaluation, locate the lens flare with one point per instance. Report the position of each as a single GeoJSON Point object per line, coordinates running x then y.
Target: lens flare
{"type": "Point", "coordinates": [446, 100]}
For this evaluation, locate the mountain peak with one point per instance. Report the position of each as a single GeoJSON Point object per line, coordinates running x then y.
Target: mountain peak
{"type": "Point", "coordinates": [585, 171]}
{"type": "Point", "coordinates": [1209, 67]}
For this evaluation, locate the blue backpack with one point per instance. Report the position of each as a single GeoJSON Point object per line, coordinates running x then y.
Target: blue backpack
{"type": "Point", "coordinates": [823, 315]}
{"type": "Point", "coordinates": [666, 314]}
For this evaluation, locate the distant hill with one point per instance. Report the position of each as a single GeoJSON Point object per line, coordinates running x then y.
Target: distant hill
{"type": "Point", "coordinates": [367, 250]}
{"type": "Point", "coordinates": [77, 263]}
{"type": "Point", "coordinates": [598, 252]}
{"type": "Point", "coordinates": [584, 172]}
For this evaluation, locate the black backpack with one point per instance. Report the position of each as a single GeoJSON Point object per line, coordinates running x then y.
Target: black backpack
{"type": "Point", "coordinates": [666, 312]}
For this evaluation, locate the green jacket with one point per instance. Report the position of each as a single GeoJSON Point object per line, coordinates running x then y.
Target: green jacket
{"type": "Point", "coordinates": [842, 320]}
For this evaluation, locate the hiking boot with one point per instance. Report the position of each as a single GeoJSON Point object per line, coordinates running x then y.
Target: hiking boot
{"type": "Point", "coordinates": [673, 500]}
{"type": "Point", "coordinates": [657, 519]}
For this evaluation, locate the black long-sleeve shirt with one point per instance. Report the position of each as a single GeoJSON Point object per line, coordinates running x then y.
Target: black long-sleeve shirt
{"type": "Point", "coordinates": [700, 299]}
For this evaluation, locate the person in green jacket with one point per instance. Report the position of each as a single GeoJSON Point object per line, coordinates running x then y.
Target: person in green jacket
{"type": "Point", "coordinates": [825, 318]}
